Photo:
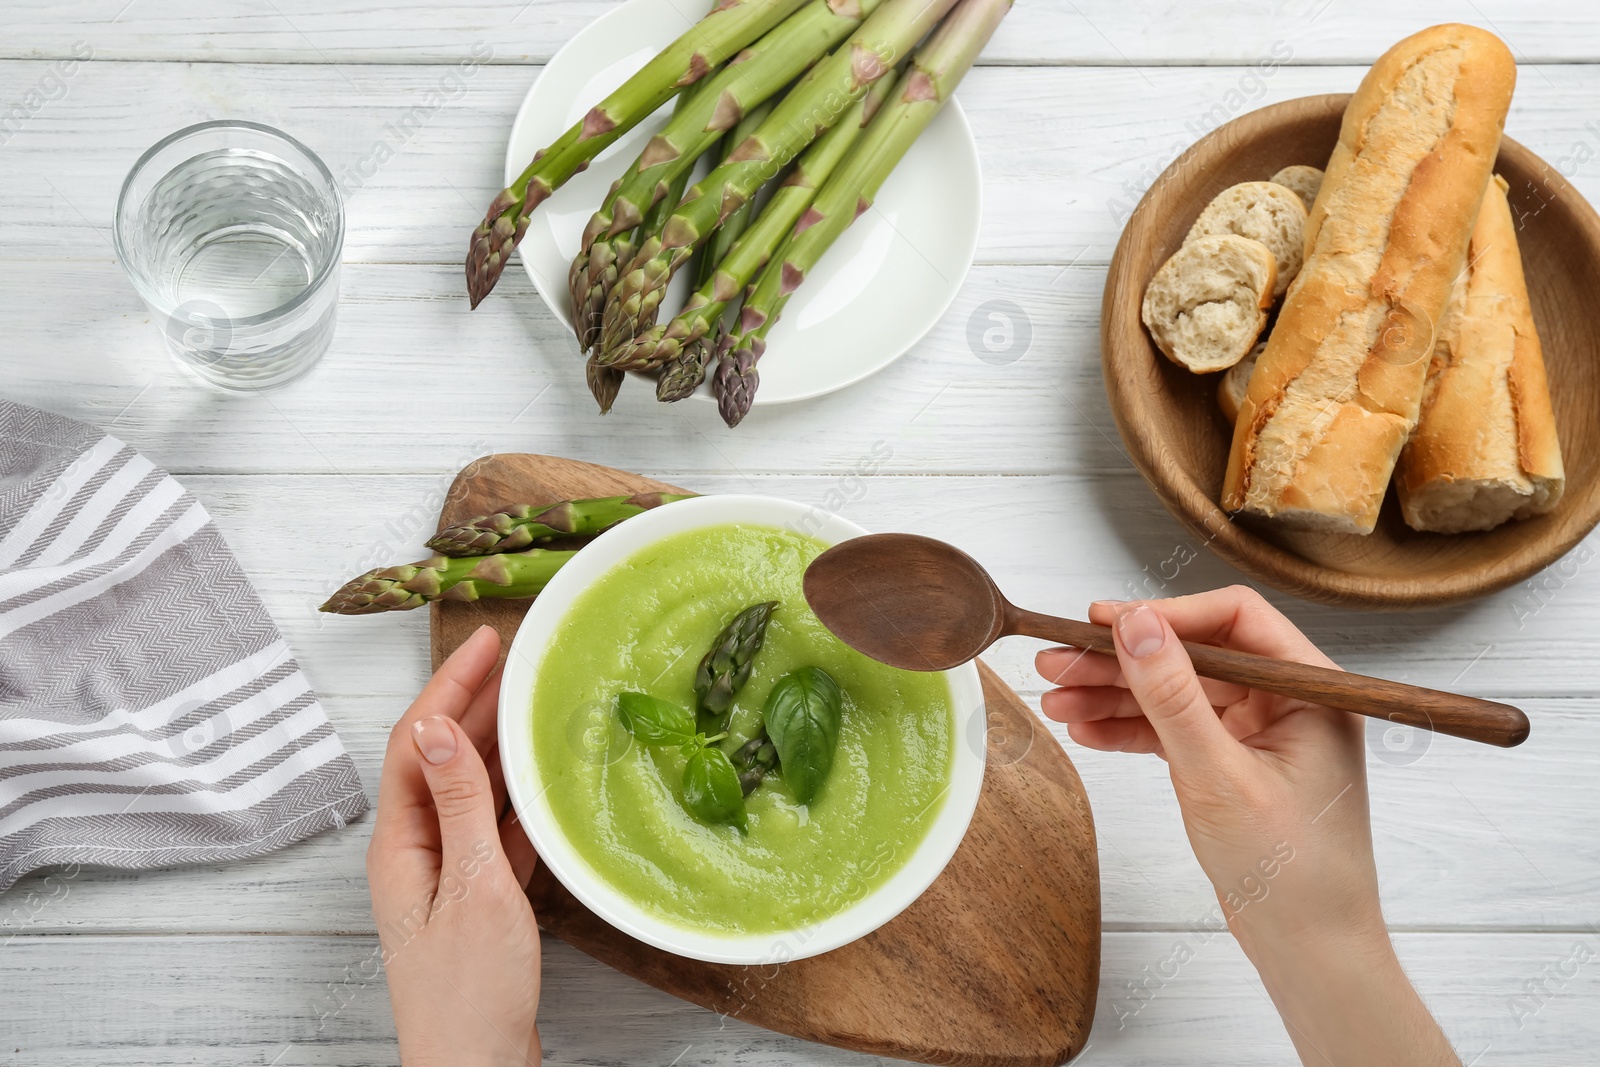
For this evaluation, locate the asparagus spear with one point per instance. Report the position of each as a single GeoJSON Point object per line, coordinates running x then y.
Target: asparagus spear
{"type": "Point", "coordinates": [935, 71]}
{"type": "Point", "coordinates": [586, 322]}
{"type": "Point", "coordinates": [512, 575]}
{"type": "Point", "coordinates": [812, 107]}
{"type": "Point", "coordinates": [732, 657]}
{"type": "Point", "coordinates": [753, 76]}
{"type": "Point", "coordinates": [724, 237]}
{"type": "Point", "coordinates": [729, 231]}
{"type": "Point", "coordinates": [606, 382]}
{"type": "Point", "coordinates": [660, 346]}
{"type": "Point", "coordinates": [707, 45]}
{"type": "Point", "coordinates": [682, 374]}
{"type": "Point", "coordinates": [754, 760]}
{"type": "Point", "coordinates": [518, 527]}
{"type": "Point", "coordinates": [603, 382]}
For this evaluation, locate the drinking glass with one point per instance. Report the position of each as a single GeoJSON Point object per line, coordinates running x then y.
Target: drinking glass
{"type": "Point", "coordinates": [231, 233]}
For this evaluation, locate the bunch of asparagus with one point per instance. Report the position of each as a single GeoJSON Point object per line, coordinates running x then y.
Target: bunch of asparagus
{"type": "Point", "coordinates": [825, 145]}
{"type": "Point", "coordinates": [490, 556]}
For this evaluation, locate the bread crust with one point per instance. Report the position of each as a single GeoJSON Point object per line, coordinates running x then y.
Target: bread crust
{"type": "Point", "coordinates": [1339, 386]}
{"type": "Point", "coordinates": [1485, 449]}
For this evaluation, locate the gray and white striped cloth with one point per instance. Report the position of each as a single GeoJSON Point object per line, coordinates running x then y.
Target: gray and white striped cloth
{"type": "Point", "coordinates": [150, 713]}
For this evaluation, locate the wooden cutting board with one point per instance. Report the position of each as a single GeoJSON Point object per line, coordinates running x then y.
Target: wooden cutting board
{"type": "Point", "coordinates": [996, 965]}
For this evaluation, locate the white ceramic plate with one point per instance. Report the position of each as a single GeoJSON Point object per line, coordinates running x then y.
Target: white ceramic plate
{"type": "Point", "coordinates": [879, 289]}
{"type": "Point", "coordinates": [527, 790]}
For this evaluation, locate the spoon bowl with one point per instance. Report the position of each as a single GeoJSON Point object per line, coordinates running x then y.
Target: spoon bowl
{"type": "Point", "coordinates": [911, 602]}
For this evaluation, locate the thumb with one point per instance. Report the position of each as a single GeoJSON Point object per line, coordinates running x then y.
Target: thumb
{"type": "Point", "coordinates": [460, 786]}
{"type": "Point", "coordinates": [1162, 679]}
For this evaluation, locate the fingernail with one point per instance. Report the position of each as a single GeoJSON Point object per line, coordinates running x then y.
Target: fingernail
{"type": "Point", "coordinates": [1106, 604]}
{"type": "Point", "coordinates": [434, 738]}
{"type": "Point", "coordinates": [1141, 631]}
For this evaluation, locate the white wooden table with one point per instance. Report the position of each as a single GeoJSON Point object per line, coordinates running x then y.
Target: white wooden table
{"type": "Point", "coordinates": [1490, 860]}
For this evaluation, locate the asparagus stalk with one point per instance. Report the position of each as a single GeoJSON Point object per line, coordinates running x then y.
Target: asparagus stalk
{"type": "Point", "coordinates": [586, 322]}
{"type": "Point", "coordinates": [814, 105]}
{"type": "Point", "coordinates": [682, 374]}
{"type": "Point", "coordinates": [518, 527]}
{"type": "Point", "coordinates": [686, 374]}
{"type": "Point", "coordinates": [605, 382]}
{"type": "Point", "coordinates": [661, 346]}
{"type": "Point", "coordinates": [513, 575]}
{"type": "Point", "coordinates": [754, 760]}
{"type": "Point", "coordinates": [726, 234]}
{"type": "Point", "coordinates": [731, 25]}
{"type": "Point", "coordinates": [721, 240]}
{"type": "Point", "coordinates": [753, 76]}
{"type": "Point", "coordinates": [936, 69]}
{"type": "Point", "coordinates": [726, 668]}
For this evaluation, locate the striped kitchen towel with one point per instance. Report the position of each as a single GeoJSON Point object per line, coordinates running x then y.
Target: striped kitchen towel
{"type": "Point", "coordinates": [150, 713]}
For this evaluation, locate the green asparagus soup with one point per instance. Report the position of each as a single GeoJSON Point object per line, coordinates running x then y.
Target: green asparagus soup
{"type": "Point", "coordinates": [644, 627]}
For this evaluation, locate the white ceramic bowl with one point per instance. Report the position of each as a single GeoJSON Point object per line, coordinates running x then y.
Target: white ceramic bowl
{"type": "Point", "coordinates": [527, 791]}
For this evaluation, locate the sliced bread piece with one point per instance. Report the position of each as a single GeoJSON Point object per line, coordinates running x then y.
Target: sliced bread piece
{"type": "Point", "coordinates": [1207, 305]}
{"type": "Point", "coordinates": [1231, 390]}
{"type": "Point", "coordinates": [1303, 180]}
{"type": "Point", "coordinates": [1262, 211]}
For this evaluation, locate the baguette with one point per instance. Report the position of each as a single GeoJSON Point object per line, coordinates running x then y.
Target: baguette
{"type": "Point", "coordinates": [1485, 447]}
{"type": "Point", "coordinates": [1337, 391]}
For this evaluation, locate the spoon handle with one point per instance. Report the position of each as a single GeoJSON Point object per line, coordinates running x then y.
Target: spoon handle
{"type": "Point", "coordinates": [1410, 705]}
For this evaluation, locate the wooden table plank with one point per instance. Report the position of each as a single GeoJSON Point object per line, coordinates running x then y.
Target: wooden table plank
{"type": "Point", "coordinates": [1042, 32]}
{"type": "Point", "coordinates": [90, 1001]}
{"type": "Point", "coordinates": [1055, 192]}
{"type": "Point", "coordinates": [507, 378]}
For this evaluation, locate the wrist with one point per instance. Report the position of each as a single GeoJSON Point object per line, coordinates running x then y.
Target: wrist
{"type": "Point", "coordinates": [1329, 959]}
{"type": "Point", "coordinates": [434, 1057]}
{"type": "Point", "coordinates": [1280, 937]}
{"type": "Point", "coordinates": [1344, 997]}
{"type": "Point", "coordinates": [442, 1050]}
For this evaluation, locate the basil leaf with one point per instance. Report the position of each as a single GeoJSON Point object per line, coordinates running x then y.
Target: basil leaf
{"type": "Point", "coordinates": [711, 789]}
{"type": "Point", "coordinates": [654, 721]}
{"type": "Point", "coordinates": [802, 714]}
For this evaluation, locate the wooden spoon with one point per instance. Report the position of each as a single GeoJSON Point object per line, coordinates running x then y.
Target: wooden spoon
{"type": "Point", "coordinates": [922, 605]}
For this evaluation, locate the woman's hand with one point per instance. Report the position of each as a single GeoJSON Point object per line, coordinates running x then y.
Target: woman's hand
{"type": "Point", "coordinates": [448, 866]}
{"type": "Point", "coordinates": [1274, 798]}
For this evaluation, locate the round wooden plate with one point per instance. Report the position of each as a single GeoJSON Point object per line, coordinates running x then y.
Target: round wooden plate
{"type": "Point", "coordinates": [1179, 440]}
